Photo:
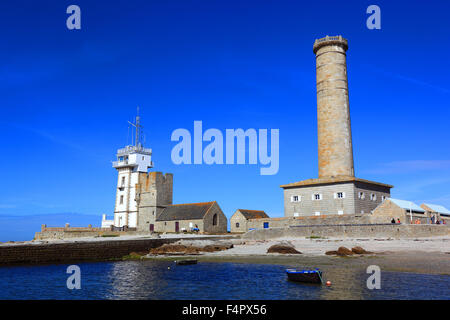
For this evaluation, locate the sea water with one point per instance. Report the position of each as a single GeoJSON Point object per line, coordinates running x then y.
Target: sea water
{"type": "Point", "coordinates": [165, 280]}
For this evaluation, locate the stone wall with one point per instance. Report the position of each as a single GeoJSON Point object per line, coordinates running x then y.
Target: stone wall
{"type": "Point", "coordinates": [79, 232]}
{"type": "Point", "coordinates": [78, 251]}
{"type": "Point", "coordinates": [314, 220]}
{"type": "Point", "coordinates": [352, 231]}
{"type": "Point", "coordinates": [238, 218]}
{"type": "Point", "coordinates": [169, 226]}
{"type": "Point", "coordinates": [222, 222]}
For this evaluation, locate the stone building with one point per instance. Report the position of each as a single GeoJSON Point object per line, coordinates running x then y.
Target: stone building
{"type": "Point", "coordinates": [436, 212]}
{"type": "Point", "coordinates": [336, 191]}
{"type": "Point", "coordinates": [239, 220]}
{"type": "Point", "coordinates": [205, 216]}
{"type": "Point", "coordinates": [407, 211]}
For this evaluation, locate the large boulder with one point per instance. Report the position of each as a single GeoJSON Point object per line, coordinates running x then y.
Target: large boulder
{"type": "Point", "coordinates": [284, 249]}
{"type": "Point", "coordinates": [360, 250]}
{"type": "Point", "coordinates": [343, 251]}
{"type": "Point", "coordinates": [331, 253]}
{"type": "Point", "coordinates": [216, 247]}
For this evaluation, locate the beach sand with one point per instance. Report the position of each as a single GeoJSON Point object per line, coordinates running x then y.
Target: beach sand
{"type": "Point", "coordinates": [424, 255]}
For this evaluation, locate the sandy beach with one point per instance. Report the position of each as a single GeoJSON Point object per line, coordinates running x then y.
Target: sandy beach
{"type": "Point", "coordinates": [425, 255]}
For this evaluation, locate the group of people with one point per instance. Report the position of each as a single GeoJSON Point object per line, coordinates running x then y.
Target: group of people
{"type": "Point", "coordinates": [417, 221]}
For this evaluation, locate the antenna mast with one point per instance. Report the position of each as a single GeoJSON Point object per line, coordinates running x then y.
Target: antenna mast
{"type": "Point", "coordinates": [138, 127]}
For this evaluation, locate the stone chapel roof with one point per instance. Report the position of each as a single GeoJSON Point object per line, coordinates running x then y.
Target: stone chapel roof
{"type": "Point", "coordinates": [253, 214]}
{"type": "Point", "coordinates": [185, 211]}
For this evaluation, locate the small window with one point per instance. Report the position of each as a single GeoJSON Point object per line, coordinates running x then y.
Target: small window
{"type": "Point", "coordinates": [123, 181]}
{"type": "Point", "coordinates": [340, 212]}
{"type": "Point", "coordinates": [215, 219]}
{"type": "Point", "coordinates": [143, 157]}
{"type": "Point", "coordinates": [317, 213]}
{"type": "Point", "coordinates": [340, 195]}
{"type": "Point", "coordinates": [121, 199]}
{"type": "Point", "coordinates": [317, 196]}
{"type": "Point", "coordinates": [361, 195]}
{"type": "Point", "coordinates": [383, 198]}
{"type": "Point", "coordinates": [237, 224]}
{"type": "Point", "coordinates": [295, 199]}
{"type": "Point", "coordinates": [296, 214]}
{"type": "Point", "coordinates": [373, 197]}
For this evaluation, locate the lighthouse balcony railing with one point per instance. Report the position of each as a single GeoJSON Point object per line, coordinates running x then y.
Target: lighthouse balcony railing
{"type": "Point", "coordinates": [134, 149]}
{"type": "Point", "coordinates": [123, 163]}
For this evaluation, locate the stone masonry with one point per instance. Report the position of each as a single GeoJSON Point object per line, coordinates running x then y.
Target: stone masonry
{"type": "Point", "coordinates": [333, 112]}
{"type": "Point", "coordinates": [153, 193]}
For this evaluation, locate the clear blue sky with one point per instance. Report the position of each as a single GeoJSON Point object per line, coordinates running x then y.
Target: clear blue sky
{"type": "Point", "coordinates": [66, 97]}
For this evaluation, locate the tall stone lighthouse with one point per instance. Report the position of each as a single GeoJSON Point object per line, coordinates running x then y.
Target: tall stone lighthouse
{"type": "Point", "coordinates": [333, 111]}
{"type": "Point", "coordinates": [336, 191]}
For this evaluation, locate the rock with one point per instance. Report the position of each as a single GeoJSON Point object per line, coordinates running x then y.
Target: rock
{"type": "Point", "coordinates": [216, 247]}
{"type": "Point", "coordinates": [284, 249]}
{"type": "Point", "coordinates": [140, 253]}
{"type": "Point", "coordinates": [343, 251]}
{"type": "Point", "coordinates": [359, 250]}
{"type": "Point", "coordinates": [331, 253]}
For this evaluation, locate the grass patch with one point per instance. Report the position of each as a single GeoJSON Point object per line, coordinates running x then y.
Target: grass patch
{"type": "Point", "coordinates": [109, 235]}
{"type": "Point", "coordinates": [315, 237]}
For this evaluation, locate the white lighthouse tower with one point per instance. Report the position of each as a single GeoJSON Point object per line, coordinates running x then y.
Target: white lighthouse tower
{"type": "Point", "coordinates": [131, 161]}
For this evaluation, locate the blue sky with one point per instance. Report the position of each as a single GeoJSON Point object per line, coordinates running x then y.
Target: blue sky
{"type": "Point", "coordinates": [66, 97]}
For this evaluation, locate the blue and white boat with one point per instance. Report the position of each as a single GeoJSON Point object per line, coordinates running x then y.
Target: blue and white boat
{"type": "Point", "coordinates": [307, 276]}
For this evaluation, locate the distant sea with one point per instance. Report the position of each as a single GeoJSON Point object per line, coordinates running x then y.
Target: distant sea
{"type": "Point", "coordinates": [165, 280]}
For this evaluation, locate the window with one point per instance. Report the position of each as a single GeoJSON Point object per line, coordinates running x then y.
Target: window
{"type": "Point", "coordinates": [143, 157]}
{"type": "Point", "coordinates": [296, 214]}
{"type": "Point", "coordinates": [123, 181]}
{"type": "Point", "coordinates": [340, 212]}
{"type": "Point", "coordinates": [383, 198]}
{"type": "Point", "coordinates": [295, 198]}
{"type": "Point", "coordinates": [215, 219]}
{"type": "Point", "coordinates": [317, 196]}
{"type": "Point", "coordinates": [339, 195]}
{"type": "Point", "coordinates": [373, 197]}
{"type": "Point", "coordinates": [317, 213]}
{"type": "Point", "coordinates": [361, 195]}
{"type": "Point", "coordinates": [121, 199]}
{"type": "Point", "coordinates": [237, 224]}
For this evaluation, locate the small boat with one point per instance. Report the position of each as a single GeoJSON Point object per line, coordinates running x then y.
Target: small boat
{"type": "Point", "coordinates": [186, 262]}
{"type": "Point", "coordinates": [307, 276]}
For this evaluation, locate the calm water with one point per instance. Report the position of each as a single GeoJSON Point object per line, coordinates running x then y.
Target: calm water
{"type": "Point", "coordinates": [153, 280]}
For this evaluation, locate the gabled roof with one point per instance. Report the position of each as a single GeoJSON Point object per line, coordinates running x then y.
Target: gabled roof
{"type": "Point", "coordinates": [253, 214]}
{"type": "Point", "coordinates": [185, 211]}
{"type": "Point", "coordinates": [437, 208]}
{"type": "Point", "coordinates": [331, 180]}
{"type": "Point", "coordinates": [406, 204]}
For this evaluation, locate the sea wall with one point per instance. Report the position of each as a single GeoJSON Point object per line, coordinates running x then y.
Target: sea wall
{"type": "Point", "coordinates": [68, 232]}
{"type": "Point", "coordinates": [348, 230]}
{"type": "Point", "coordinates": [79, 251]}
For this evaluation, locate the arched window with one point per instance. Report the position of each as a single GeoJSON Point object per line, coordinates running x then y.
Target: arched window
{"type": "Point", "coordinates": [215, 219]}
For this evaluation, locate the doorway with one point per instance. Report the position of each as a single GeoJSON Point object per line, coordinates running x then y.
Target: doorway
{"type": "Point", "coordinates": [177, 226]}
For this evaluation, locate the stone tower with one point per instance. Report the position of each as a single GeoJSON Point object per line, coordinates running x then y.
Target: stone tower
{"type": "Point", "coordinates": [333, 111]}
